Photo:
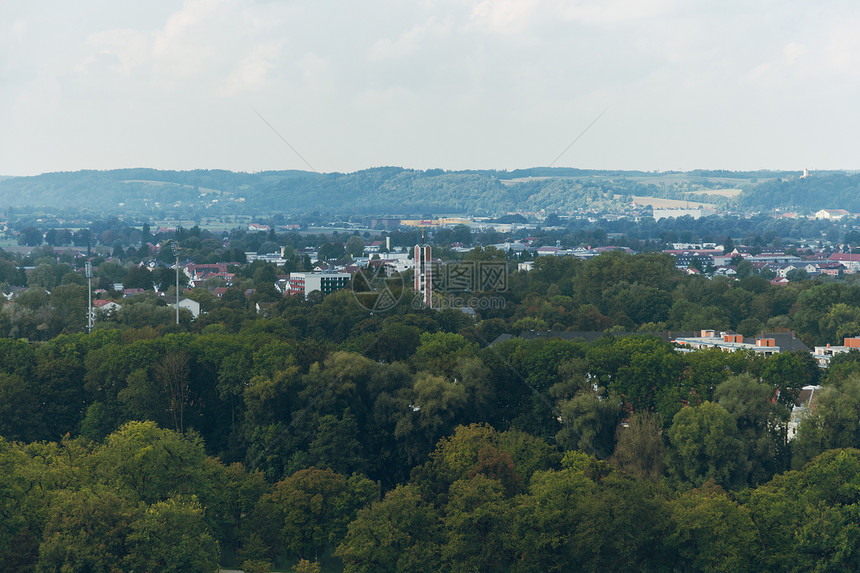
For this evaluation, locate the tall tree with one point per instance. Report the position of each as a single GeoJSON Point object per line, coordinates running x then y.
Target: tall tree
{"type": "Point", "coordinates": [706, 445]}
{"type": "Point", "coordinates": [400, 533]}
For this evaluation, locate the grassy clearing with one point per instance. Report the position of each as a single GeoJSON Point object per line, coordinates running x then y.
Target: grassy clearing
{"type": "Point", "coordinates": [171, 184]}
{"type": "Point", "coordinates": [730, 193]}
{"type": "Point", "coordinates": [661, 203]}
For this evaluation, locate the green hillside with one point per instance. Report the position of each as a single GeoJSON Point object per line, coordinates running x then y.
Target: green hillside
{"type": "Point", "coordinates": [402, 191]}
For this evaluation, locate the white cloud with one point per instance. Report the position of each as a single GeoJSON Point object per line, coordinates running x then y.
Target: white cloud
{"type": "Point", "coordinates": [408, 42]}
{"type": "Point", "coordinates": [603, 12]}
{"type": "Point", "coordinates": [505, 16]}
{"type": "Point", "coordinates": [778, 69]}
{"type": "Point", "coordinates": [19, 30]}
{"type": "Point", "coordinates": [442, 83]}
{"type": "Point", "coordinates": [316, 72]}
{"type": "Point", "coordinates": [252, 73]}
{"type": "Point", "coordinates": [842, 51]}
{"type": "Point", "coordinates": [129, 49]}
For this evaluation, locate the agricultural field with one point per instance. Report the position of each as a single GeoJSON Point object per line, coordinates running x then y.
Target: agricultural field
{"type": "Point", "coordinates": [661, 203]}
{"type": "Point", "coordinates": [728, 193]}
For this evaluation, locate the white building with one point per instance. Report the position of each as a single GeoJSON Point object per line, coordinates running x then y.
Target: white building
{"type": "Point", "coordinates": [823, 354]}
{"type": "Point", "coordinates": [766, 344]}
{"type": "Point", "coordinates": [273, 258]}
{"type": "Point", "coordinates": [423, 282]}
{"type": "Point", "coordinates": [325, 281]}
{"type": "Point", "coordinates": [802, 408]}
{"type": "Point", "coordinates": [190, 305]}
{"type": "Point", "coordinates": [850, 261]}
{"type": "Point", "coordinates": [106, 306]}
{"type": "Point", "coordinates": [394, 266]}
{"type": "Point", "coordinates": [832, 214]}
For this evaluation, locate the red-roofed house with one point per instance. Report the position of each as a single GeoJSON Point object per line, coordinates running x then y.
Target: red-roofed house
{"type": "Point", "coordinates": [832, 214]}
{"type": "Point", "coordinates": [832, 269]}
{"type": "Point", "coordinates": [851, 262]}
{"type": "Point", "coordinates": [106, 306]}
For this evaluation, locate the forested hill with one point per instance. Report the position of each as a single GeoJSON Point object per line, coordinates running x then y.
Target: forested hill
{"type": "Point", "coordinates": [379, 190]}
{"type": "Point", "coordinates": [826, 190]}
{"type": "Point", "coordinates": [400, 191]}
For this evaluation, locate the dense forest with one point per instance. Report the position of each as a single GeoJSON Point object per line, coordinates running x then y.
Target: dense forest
{"type": "Point", "coordinates": [402, 191]}
{"type": "Point", "coordinates": [318, 435]}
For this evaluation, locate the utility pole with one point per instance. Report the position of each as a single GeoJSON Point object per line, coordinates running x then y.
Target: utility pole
{"type": "Point", "coordinates": [176, 252]}
{"type": "Point", "coordinates": [89, 272]}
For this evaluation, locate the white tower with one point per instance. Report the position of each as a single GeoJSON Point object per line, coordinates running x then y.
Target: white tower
{"type": "Point", "coordinates": [424, 274]}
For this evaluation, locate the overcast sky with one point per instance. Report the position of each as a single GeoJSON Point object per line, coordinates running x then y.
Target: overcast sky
{"type": "Point", "coordinates": [172, 84]}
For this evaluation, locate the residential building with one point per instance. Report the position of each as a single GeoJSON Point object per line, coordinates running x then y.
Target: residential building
{"type": "Point", "coordinates": [774, 258]}
{"type": "Point", "coordinates": [851, 262]}
{"type": "Point", "coordinates": [191, 305]}
{"type": "Point", "coordinates": [325, 282]}
{"type": "Point", "coordinates": [831, 269]}
{"type": "Point", "coordinates": [199, 273]}
{"type": "Point", "coordinates": [274, 258]}
{"type": "Point", "coordinates": [832, 214]}
{"type": "Point", "coordinates": [683, 259]}
{"type": "Point", "coordinates": [823, 354]}
{"type": "Point", "coordinates": [803, 407]}
{"type": "Point", "coordinates": [765, 344]}
{"type": "Point", "coordinates": [106, 306]}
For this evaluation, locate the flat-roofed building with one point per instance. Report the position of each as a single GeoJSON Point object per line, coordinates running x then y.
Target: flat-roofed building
{"type": "Point", "coordinates": [324, 281]}
{"type": "Point", "coordinates": [765, 344]}
{"type": "Point", "coordinates": [823, 354]}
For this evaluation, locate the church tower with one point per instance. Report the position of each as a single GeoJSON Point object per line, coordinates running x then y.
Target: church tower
{"type": "Point", "coordinates": [424, 274]}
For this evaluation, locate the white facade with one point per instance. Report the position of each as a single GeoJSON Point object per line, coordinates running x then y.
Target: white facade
{"type": "Point", "coordinates": [832, 214]}
{"type": "Point", "coordinates": [801, 410]}
{"type": "Point", "coordinates": [729, 342]}
{"type": "Point", "coordinates": [190, 305]}
{"type": "Point", "coordinates": [423, 282]}
{"type": "Point", "coordinates": [326, 282]}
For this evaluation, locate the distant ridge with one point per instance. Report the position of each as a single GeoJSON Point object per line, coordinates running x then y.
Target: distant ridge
{"type": "Point", "coordinates": [408, 191]}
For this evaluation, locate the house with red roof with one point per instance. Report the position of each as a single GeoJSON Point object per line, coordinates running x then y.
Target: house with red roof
{"type": "Point", "coordinates": [832, 214]}
{"type": "Point", "coordinates": [106, 306]}
{"type": "Point", "coordinates": [851, 262]}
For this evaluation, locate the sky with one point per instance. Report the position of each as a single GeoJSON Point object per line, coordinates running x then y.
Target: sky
{"type": "Point", "coordinates": [454, 84]}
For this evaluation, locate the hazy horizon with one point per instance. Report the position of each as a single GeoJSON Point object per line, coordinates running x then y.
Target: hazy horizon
{"type": "Point", "coordinates": [510, 169]}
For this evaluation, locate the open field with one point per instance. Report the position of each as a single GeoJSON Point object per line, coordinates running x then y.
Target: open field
{"type": "Point", "coordinates": [213, 224]}
{"type": "Point", "coordinates": [730, 193]}
{"type": "Point", "coordinates": [667, 179]}
{"type": "Point", "coordinates": [163, 183]}
{"type": "Point", "coordinates": [661, 203]}
{"type": "Point", "coordinates": [687, 178]}
{"type": "Point", "coordinates": [510, 182]}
